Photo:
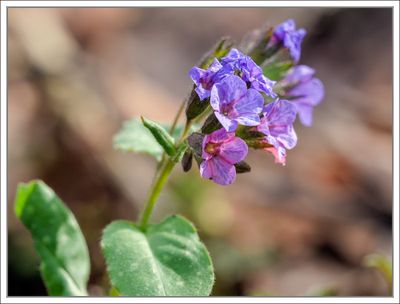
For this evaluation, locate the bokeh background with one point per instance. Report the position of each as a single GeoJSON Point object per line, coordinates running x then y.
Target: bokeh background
{"type": "Point", "coordinates": [74, 74]}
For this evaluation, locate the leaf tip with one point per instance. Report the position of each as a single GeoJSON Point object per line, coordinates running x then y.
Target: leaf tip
{"type": "Point", "coordinates": [22, 194]}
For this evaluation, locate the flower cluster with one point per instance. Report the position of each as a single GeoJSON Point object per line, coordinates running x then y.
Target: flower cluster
{"type": "Point", "coordinates": [251, 109]}
{"type": "Point", "coordinates": [235, 63]}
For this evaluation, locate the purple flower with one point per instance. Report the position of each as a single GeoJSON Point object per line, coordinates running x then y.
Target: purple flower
{"type": "Point", "coordinates": [304, 91]}
{"type": "Point", "coordinates": [234, 104]}
{"type": "Point", "coordinates": [205, 79]}
{"type": "Point", "coordinates": [297, 74]}
{"type": "Point", "coordinates": [221, 151]}
{"type": "Point", "coordinates": [290, 38]}
{"type": "Point", "coordinates": [250, 71]}
{"type": "Point", "coordinates": [277, 125]}
{"type": "Point", "coordinates": [233, 58]}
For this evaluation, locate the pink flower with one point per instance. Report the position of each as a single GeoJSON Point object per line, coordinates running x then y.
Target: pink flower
{"type": "Point", "coordinates": [277, 126]}
{"type": "Point", "coordinates": [221, 150]}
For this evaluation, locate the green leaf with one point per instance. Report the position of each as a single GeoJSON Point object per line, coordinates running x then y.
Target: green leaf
{"type": "Point", "coordinates": [165, 140]}
{"type": "Point", "coordinates": [135, 137]}
{"type": "Point", "coordinates": [277, 70]}
{"type": "Point", "coordinates": [57, 237]}
{"type": "Point", "coordinates": [168, 259]}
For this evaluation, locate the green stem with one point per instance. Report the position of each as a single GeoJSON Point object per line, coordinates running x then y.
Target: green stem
{"type": "Point", "coordinates": [171, 131]}
{"type": "Point", "coordinates": [178, 114]}
{"type": "Point", "coordinates": [164, 170]}
{"type": "Point", "coordinates": [155, 192]}
{"type": "Point", "coordinates": [185, 132]}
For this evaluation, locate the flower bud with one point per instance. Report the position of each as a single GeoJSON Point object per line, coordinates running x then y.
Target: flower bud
{"type": "Point", "coordinates": [253, 138]}
{"type": "Point", "coordinates": [195, 141]}
{"type": "Point", "coordinates": [211, 124]}
{"type": "Point", "coordinates": [242, 167]}
{"type": "Point", "coordinates": [187, 160]}
{"type": "Point", "coordinates": [166, 141]}
{"type": "Point", "coordinates": [195, 106]}
{"type": "Point", "coordinates": [256, 44]}
{"type": "Point", "coordinates": [248, 133]}
{"type": "Point", "coordinates": [219, 50]}
{"type": "Point", "coordinates": [258, 143]}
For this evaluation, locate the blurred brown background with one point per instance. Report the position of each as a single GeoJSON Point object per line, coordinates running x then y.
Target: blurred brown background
{"type": "Point", "coordinates": [75, 74]}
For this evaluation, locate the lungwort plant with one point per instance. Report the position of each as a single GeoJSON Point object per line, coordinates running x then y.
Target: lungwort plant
{"type": "Point", "coordinates": [243, 97]}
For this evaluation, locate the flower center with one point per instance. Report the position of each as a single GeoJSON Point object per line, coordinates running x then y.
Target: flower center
{"type": "Point", "coordinates": [226, 109]}
{"type": "Point", "coordinates": [238, 73]}
{"type": "Point", "coordinates": [212, 148]}
{"type": "Point", "coordinates": [206, 83]}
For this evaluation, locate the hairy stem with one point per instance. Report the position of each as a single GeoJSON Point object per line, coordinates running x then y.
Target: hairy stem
{"type": "Point", "coordinates": [171, 131]}
{"type": "Point", "coordinates": [155, 192]}
{"type": "Point", "coordinates": [178, 114]}
{"type": "Point", "coordinates": [185, 132]}
{"type": "Point", "coordinates": [164, 170]}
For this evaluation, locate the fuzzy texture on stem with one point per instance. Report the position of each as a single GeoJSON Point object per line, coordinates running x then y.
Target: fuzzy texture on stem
{"type": "Point", "coordinates": [165, 168]}
{"type": "Point", "coordinates": [155, 192]}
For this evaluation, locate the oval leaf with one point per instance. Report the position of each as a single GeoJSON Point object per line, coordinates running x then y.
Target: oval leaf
{"type": "Point", "coordinates": [168, 259]}
{"type": "Point", "coordinates": [58, 239]}
{"type": "Point", "coordinates": [135, 137]}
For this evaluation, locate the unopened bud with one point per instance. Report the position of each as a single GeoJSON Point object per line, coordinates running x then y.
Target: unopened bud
{"type": "Point", "coordinates": [195, 106]}
{"type": "Point", "coordinates": [242, 167]}
{"type": "Point", "coordinates": [195, 142]}
{"type": "Point", "coordinates": [187, 160]}
{"type": "Point", "coordinates": [211, 124]}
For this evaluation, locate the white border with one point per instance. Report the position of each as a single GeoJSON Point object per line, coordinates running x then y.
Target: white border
{"type": "Point", "coordinates": [201, 3]}
{"type": "Point", "coordinates": [3, 212]}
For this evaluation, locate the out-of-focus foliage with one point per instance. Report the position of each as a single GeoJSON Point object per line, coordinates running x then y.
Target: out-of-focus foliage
{"type": "Point", "coordinates": [383, 265]}
{"type": "Point", "coordinates": [277, 70]}
{"type": "Point", "coordinates": [134, 136]}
